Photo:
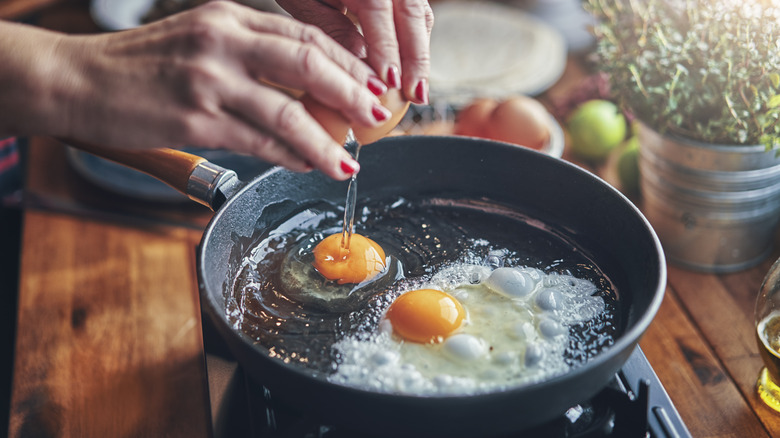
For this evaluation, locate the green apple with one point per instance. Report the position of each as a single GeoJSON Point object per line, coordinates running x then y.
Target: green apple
{"type": "Point", "coordinates": [596, 127]}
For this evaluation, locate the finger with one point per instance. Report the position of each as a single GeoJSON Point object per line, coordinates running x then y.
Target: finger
{"type": "Point", "coordinates": [331, 19]}
{"type": "Point", "coordinates": [271, 111]}
{"type": "Point", "coordinates": [305, 67]}
{"type": "Point", "coordinates": [230, 131]}
{"type": "Point", "coordinates": [376, 21]}
{"type": "Point", "coordinates": [307, 34]}
{"type": "Point", "coordinates": [414, 21]}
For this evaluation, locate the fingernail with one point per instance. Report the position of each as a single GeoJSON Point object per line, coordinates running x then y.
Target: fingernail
{"type": "Point", "coordinates": [421, 91]}
{"type": "Point", "coordinates": [350, 166]}
{"type": "Point", "coordinates": [380, 113]}
{"type": "Point", "coordinates": [393, 77]}
{"type": "Point", "coordinates": [376, 86]}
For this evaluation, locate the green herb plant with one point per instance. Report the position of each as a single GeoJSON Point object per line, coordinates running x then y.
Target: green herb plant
{"type": "Point", "coordinates": [707, 70]}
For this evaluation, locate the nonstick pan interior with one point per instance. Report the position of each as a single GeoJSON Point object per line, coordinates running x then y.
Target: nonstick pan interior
{"type": "Point", "coordinates": [590, 212]}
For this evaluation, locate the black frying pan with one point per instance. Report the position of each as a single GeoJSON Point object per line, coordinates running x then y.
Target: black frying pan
{"type": "Point", "coordinates": [588, 210]}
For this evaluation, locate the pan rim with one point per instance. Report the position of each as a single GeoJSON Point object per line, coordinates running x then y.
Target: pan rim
{"type": "Point", "coordinates": [625, 342]}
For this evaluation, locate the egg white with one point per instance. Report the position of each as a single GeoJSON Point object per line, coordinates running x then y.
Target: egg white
{"type": "Point", "coordinates": [515, 332]}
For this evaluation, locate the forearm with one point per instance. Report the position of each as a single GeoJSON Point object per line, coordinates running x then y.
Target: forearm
{"type": "Point", "coordinates": [32, 95]}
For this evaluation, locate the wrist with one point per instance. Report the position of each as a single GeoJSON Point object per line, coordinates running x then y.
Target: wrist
{"type": "Point", "coordinates": [35, 79]}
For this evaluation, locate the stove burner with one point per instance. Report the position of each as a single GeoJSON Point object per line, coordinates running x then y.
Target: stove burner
{"type": "Point", "coordinates": [634, 404]}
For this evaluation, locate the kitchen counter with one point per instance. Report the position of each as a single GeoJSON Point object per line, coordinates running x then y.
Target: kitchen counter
{"type": "Point", "coordinates": [109, 340]}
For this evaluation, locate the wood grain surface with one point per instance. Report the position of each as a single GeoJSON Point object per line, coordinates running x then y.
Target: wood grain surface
{"type": "Point", "coordinates": [109, 336]}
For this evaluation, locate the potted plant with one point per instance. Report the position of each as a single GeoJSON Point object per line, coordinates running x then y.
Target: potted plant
{"type": "Point", "coordinates": [702, 78]}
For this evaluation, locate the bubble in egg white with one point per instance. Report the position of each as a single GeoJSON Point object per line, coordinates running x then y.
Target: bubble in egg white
{"type": "Point", "coordinates": [506, 358]}
{"type": "Point", "coordinates": [495, 258]}
{"type": "Point", "coordinates": [451, 277]}
{"type": "Point", "coordinates": [381, 358]}
{"type": "Point", "coordinates": [583, 287]}
{"type": "Point", "coordinates": [465, 347]}
{"type": "Point", "coordinates": [549, 299]}
{"type": "Point", "coordinates": [550, 328]}
{"type": "Point", "coordinates": [522, 330]}
{"type": "Point", "coordinates": [534, 354]}
{"type": "Point", "coordinates": [511, 282]}
{"type": "Point", "coordinates": [460, 294]}
{"type": "Point", "coordinates": [442, 380]}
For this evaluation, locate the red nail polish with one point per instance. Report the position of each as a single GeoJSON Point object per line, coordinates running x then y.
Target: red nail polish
{"type": "Point", "coordinates": [350, 167]}
{"type": "Point", "coordinates": [421, 91]}
{"type": "Point", "coordinates": [380, 113]}
{"type": "Point", "coordinates": [376, 86]}
{"type": "Point", "coordinates": [393, 77]}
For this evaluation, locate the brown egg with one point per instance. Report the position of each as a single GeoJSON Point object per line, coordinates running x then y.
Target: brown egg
{"type": "Point", "coordinates": [337, 125]}
{"type": "Point", "coordinates": [438, 128]}
{"type": "Point", "coordinates": [471, 121]}
{"type": "Point", "coordinates": [334, 123]}
{"type": "Point", "coordinates": [394, 101]}
{"type": "Point", "coordinates": [520, 120]}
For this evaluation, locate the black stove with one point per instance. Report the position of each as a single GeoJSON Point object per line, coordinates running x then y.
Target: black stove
{"type": "Point", "coordinates": [633, 404]}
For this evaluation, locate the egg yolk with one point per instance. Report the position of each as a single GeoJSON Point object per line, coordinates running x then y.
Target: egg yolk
{"type": "Point", "coordinates": [362, 261]}
{"type": "Point", "coordinates": [425, 315]}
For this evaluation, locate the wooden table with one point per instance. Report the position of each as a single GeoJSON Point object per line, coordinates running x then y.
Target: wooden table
{"type": "Point", "coordinates": [109, 340]}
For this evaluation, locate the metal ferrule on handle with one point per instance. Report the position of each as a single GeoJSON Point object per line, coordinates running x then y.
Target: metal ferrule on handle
{"type": "Point", "coordinates": [211, 185]}
{"type": "Point", "coordinates": [202, 181]}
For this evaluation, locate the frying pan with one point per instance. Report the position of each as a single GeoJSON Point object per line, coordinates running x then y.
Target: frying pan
{"type": "Point", "coordinates": [589, 211]}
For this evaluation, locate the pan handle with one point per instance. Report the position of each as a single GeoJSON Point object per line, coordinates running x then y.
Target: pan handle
{"type": "Point", "coordinates": [194, 176]}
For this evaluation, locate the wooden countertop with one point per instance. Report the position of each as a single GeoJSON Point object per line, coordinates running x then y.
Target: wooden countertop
{"type": "Point", "coordinates": [109, 340]}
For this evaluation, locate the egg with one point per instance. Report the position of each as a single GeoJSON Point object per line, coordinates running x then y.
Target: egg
{"type": "Point", "coordinates": [394, 101]}
{"type": "Point", "coordinates": [449, 336]}
{"type": "Point", "coordinates": [361, 261]}
{"type": "Point", "coordinates": [337, 125]}
{"type": "Point", "coordinates": [520, 120]}
{"type": "Point", "coordinates": [472, 119]}
{"type": "Point", "coordinates": [425, 315]}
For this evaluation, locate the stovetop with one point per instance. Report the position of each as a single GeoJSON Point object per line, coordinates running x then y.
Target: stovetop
{"type": "Point", "coordinates": [633, 404]}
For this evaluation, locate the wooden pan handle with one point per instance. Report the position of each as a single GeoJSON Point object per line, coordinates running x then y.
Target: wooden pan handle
{"type": "Point", "coordinates": [170, 166]}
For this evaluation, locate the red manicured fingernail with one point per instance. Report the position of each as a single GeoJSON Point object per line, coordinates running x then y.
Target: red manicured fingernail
{"type": "Point", "coordinates": [376, 86]}
{"type": "Point", "coordinates": [393, 77]}
{"type": "Point", "coordinates": [350, 167]}
{"type": "Point", "coordinates": [380, 113]}
{"type": "Point", "coordinates": [421, 91]}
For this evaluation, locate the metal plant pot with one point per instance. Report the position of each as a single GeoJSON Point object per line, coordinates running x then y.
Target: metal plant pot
{"type": "Point", "coordinates": [715, 207]}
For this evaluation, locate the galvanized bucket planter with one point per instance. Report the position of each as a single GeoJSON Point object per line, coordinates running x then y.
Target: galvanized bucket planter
{"type": "Point", "coordinates": [715, 207]}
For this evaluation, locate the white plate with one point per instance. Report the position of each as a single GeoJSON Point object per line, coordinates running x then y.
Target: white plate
{"type": "Point", "coordinates": [484, 49]}
{"type": "Point", "coordinates": [127, 14]}
{"type": "Point", "coordinates": [119, 14]}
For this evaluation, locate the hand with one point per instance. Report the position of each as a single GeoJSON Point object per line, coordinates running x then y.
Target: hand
{"type": "Point", "coordinates": [395, 36]}
{"type": "Point", "coordinates": [192, 79]}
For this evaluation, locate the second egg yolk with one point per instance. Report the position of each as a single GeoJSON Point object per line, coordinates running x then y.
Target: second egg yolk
{"type": "Point", "coordinates": [425, 315]}
{"type": "Point", "coordinates": [362, 261]}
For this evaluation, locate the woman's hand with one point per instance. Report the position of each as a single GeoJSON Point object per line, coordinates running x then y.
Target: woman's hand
{"type": "Point", "coordinates": [395, 37]}
{"type": "Point", "coordinates": [191, 79]}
